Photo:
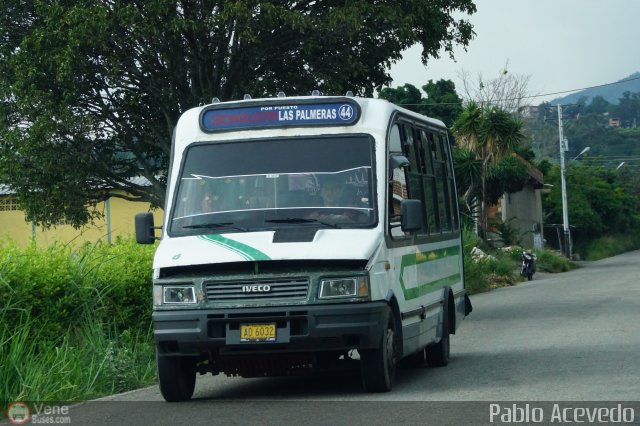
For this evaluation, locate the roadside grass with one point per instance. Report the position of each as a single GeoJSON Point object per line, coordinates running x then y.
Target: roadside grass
{"type": "Point", "coordinates": [609, 245]}
{"type": "Point", "coordinates": [501, 268]}
{"type": "Point", "coordinates": [82, 364]}
{"type": "Point", "coordinates": [483, 274]}
{"type": "Point", "coordinates": [63, 335]}
{"type": "Point", "coordinates": [552, 261]}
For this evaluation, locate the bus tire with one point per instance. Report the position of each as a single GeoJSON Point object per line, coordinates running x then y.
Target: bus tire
{"type": "Point", "coordinates": [177, 377]}
{"type": "Point", "coordinates": [438, 354]}
{"type": "Point", "coordinates": [378, 366]}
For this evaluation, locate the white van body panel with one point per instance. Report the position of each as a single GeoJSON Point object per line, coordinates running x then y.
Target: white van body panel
{"type": "Point", "coordinates": [328, 244]}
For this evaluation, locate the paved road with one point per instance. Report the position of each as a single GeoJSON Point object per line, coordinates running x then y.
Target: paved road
{"type": "Point", "coordinates": [561, 337]}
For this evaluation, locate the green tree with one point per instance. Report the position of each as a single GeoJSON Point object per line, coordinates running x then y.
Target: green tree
{"type": "Point", "coordinates": [600, 200]}
{"type": "Point", "coordinates": [628, 109]}
{"type": "Point", "coordinates": [599, 105]}
{"type": "Point", "coordinates": [509, 175]}
{"type": "Point", "coordinates": [407, 96]}
{"type": "Point", "coordinates": [468, 172]}
{"type": "Point", "coordinates": [442, 101]}
{"type": "Point", "coordinates": [91, 90]}
{"type": "Point", "coordinates": [490, 133]}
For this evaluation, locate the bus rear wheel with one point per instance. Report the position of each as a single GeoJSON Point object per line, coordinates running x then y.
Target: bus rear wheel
{"type": "Point", "coordinates": [438, 354]}
{"type": "Point", "coordinates": [378, 366]}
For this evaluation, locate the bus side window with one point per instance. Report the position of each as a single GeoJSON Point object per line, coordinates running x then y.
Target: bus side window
{"type": "Point", "coordinates": [397, 182]}
{"type": "Point", "coordinates": [395, 143]}
{"type": "Point", "coordinates": [442, 182]}
{"type": "Point", "coordinates": [397, 185]}
{"type": "Point", "coordinates": [414, 172]}
{"type": "Point", "coordinates": [451, 186]}
{"type": "Point", "coordinates": [429, 184]}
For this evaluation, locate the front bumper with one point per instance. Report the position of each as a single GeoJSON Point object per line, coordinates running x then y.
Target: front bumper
{"type": "Point", "coordinates": [308, 328]}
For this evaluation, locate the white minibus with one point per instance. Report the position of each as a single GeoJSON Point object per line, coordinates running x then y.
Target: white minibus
{"type": "Point", "coordinates": [303, 234]}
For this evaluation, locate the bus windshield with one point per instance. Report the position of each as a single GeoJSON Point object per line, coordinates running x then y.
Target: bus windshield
{"type": "Point", "coordinates": [253, 185]}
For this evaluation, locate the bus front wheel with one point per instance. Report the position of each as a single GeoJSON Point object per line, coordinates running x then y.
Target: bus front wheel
{"type": "Point", "coordinates": [378, 366]}
{"type": "Point", "coordinates": [177, 377]}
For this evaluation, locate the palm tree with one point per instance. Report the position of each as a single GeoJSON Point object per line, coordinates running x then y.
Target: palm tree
{"type": "Point", "coordinates": [490, 133]}
{"type": "Point", "coordinates": [468, 169]}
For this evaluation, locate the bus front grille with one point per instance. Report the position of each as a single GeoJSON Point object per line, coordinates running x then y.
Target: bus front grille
{"type": "Point", "coordinates": [296, 288]}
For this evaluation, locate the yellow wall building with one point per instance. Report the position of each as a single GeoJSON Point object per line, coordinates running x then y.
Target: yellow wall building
{"type": "Point", "coordinates": [118, 221]}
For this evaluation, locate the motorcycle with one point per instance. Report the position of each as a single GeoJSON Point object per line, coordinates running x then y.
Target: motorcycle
{"type": "Point", "coordinates": [528, 265]}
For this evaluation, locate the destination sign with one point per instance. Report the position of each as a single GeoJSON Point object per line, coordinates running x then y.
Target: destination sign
{"type": "Point", "coordinates": [269, 115]}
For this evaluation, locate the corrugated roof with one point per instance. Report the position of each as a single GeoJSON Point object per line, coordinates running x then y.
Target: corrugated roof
{"type": "Point", "coordinates": [137, 180]}
{"type": "Point", "coordinates": [6, 190]}
{"type": "Point", "coordinates": [140, 180]}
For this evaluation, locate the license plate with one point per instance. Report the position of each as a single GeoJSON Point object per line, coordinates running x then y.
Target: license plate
{"type": "Point", "coordinates": [257, 332]}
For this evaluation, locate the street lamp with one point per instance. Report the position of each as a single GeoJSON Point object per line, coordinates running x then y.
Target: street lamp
{"type": "Point", "coordinates": [564, 146]}
{"type": "Point", "coordinates": [568, 246]}
{"type": "Point", "coordinates": [565, 212]}
{"type": "Point", "coordinates": [581, 152]}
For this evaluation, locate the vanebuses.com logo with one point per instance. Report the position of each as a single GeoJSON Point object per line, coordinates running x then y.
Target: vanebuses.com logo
{"type": "Point", "coordinates": [18, 413]}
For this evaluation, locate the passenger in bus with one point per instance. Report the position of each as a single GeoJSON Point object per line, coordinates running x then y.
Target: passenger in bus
{"type": "Point", "coordinates": [211, 202]}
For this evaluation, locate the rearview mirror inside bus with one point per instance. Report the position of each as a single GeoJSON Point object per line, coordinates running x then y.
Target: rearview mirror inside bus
{"type": "Point", "coordinates": [396, 161]}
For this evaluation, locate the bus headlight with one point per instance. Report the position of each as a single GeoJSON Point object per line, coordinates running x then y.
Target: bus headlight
{"type": "Point", "coordinates": [174, 295]}
{"type": "Point", "coordinates": [344, 287]}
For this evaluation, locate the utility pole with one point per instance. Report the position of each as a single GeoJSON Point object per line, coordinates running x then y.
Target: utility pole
{"type": "Point", "coordinates": [565, 212]}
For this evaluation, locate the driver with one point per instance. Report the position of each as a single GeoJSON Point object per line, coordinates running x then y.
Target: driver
{"type": "Point", "coordinates": [331, 193]}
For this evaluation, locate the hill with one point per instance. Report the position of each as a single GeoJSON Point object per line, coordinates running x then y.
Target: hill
{"type": "Point", "coordinates": [611, 92]}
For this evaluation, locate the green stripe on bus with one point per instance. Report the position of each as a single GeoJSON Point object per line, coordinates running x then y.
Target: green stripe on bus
{"type": "Point", "coordinates": [409, 260]}
{"type": "Point", "coordinates": [247, 252]}
{"type": "Point", "coordinates": [423, 289]}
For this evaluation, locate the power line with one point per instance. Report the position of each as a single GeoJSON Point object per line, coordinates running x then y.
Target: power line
{"type": "Point", "coordinates": [620, 157]}
{"type": "Point", "coordinates": [607, 160]}
{"type": "Point", "coordinates": [584, 88]}
{"type": "Point", "coordinates": [529, 96]}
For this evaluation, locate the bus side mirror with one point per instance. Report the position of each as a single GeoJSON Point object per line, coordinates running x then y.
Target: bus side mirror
{"type": "Point", "coordinates": [411, 213]}
{"type": "Point", "coordinates": [145, 233]}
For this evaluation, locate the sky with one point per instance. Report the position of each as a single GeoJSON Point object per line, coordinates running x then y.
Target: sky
{"type": "Point", "coordinates": [560, 44]}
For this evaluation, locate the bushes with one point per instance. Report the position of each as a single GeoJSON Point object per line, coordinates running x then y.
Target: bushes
{"type": "Point", "coordinates": [74, 323]}
{"type": "Point", "coordinates": [57, 285]}
{"type": "Point", "coordinates": [121, 278]}
{"type": "Point", "coordinates": [497, 270]}
{"type": "Point", "coordinates": [551, 261]}
{"type": "Point", "coordinates": [609, 245]}
{"type": "Point", "coordinates": [502, 267]}
{"type": "Point", "coordinates": [46, 283]}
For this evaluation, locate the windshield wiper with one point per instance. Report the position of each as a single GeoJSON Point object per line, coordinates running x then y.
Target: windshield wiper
{"type": "Point", "coordinates": [303, 220]}
{"type": "Point", "coordinates": [216, 225]}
